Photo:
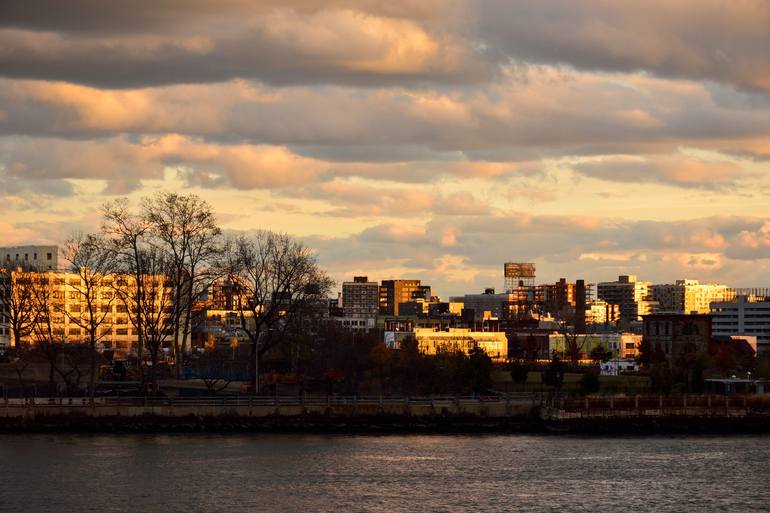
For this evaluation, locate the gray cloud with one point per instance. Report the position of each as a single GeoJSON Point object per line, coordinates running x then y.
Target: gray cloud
{"type": "Point", "coordinates": [541, 116]}
{"type": "Point", "coordinates": [692, 39]}
{"type": "Point", "coordinates": [171, 42]}
{"type": "Point", "coordinates": [369, 43]}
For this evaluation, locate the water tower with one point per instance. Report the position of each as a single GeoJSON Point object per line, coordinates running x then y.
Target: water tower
{"type": "Point", "coordinates": [519, 275]}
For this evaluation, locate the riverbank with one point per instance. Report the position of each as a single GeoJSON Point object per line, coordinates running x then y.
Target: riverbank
{"type": "Point", "coordinates": [522, 413]}
{"type": "Point", "coordinates": [304, 424]}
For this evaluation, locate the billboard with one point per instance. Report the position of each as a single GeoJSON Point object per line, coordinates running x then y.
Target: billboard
{"type": "Point", "coordinates": [519, 270]}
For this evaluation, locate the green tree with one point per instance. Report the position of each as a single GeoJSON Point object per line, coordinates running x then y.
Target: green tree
{"type": "Point", "coordinates": [599, 355]}
{"type": "Point", "coordinates": [519, 371]}
{"type": "Point", "coordinates": [554, 374]}
{"type": "Point", "coordinates": [381, 361]}
{"type": "Point", "coordinates": [661, 378]}
{"type": "Point", "coordinates": [479, 366]}
{"type": "Point", "coordinates": [589, 383]}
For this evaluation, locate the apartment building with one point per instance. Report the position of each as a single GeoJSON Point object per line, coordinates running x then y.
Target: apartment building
{"type": "Point", "coordinates": [360, 304]}
{"type": "Point", "coordinates": [602, 313]}
{"type": "Point", "coordinates": [38, 258]}
{"type": "Point", "coordinates": [395, 292]}
{"type": "Point", "coordinates": [64, 308]}
{"type": "Point", "coordinates": [744, 315]}
{"type": "Point", "coordinates": [360, 298]}
{"type": "Point", "coordinates": [632, 296]}
{"type": "Point", "coordinates": [689, 296]}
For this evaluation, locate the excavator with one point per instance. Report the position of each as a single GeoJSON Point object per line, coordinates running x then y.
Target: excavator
{"type": "Point", "coordinates": [119, 370]}
{"type": "Point", "coordinates": [118, 378]}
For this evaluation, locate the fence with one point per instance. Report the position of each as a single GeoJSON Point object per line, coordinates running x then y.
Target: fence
{"type": "Point", "coordinates": [646, 405]}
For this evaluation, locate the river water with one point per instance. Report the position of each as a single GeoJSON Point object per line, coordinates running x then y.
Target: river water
{"type": "Point", "coordinates": [263, 472]}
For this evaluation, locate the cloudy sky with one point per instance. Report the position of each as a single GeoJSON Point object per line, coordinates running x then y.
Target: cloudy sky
{"type": "Point", "coordinates": [432, 139]}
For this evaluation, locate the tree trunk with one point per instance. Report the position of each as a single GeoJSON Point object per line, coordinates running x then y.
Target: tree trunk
{"type": "Point", "coordinates": [177, 328]}
{"type": "Point", "coordinates": [154, 370]}
{"type": "Point", "coordinates": [179, 362]}
{"type": "Point", "coordinates": [16, 339]}
{"type": "Point", "coordinates": [253, 365]}
{"type": "Point", "coordinates": [92, 377]}
{"type": "Point", "coordinates": [51, 370]}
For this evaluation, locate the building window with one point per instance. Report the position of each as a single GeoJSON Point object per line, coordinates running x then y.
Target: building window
{"type": "Point", "coordinates": [34, 256]}
{"type": "Point", "coordinates": [49, 256]}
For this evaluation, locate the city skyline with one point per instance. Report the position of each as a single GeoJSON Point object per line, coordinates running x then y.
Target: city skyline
{"type": "Point", "coordinates": [431, 140]}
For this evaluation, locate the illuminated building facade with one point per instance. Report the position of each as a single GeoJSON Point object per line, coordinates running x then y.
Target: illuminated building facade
{"type": "Point", "coordinates": [689, 296]}
{"type": "Point", "coordinates": [395, 292]}
{"type": "Point", "coordinates": [632, 296]}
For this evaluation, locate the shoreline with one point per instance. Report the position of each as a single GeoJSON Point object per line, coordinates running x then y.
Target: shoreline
{"type": "Point", "coordinates": [384, 425]}
{"type": "Point", "coordinates": [523, 414]}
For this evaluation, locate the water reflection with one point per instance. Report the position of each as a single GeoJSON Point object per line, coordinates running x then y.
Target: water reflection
{"type": "Point", "coordinates": [382, 473]}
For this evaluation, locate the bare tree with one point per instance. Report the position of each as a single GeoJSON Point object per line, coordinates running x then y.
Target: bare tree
{"type": "Point", "coordinates": [17, 301]}
{"type": "Point", "coordinates": [574, 344]}
{"type": "Point", "coordinates": [48, 341]}
{"type": "Point", "coordinates": [127, 233]}
{"type": "Point", "coordinates": [184, 226]}
{"type": "Point", "coordinates": [148, 299]}
{"type": "Point", "coordinates": [276, 280]}
{"type": "Point", "coordinates": [69, 361]}
{"type": "Point", "coordinates": [91, 307]}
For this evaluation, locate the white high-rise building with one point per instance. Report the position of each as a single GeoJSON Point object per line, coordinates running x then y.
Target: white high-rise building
{"type": "Point", "coordinates": [360, 303]}
{"type": "Point", "coordinates": [745, 315]}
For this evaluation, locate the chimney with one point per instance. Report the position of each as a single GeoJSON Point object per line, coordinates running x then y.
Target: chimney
{"type": "Point", "coordinates": [580, 306]}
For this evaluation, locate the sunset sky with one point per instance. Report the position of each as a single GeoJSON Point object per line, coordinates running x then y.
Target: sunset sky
{"type": "Point", "coordinates": [406, 139]}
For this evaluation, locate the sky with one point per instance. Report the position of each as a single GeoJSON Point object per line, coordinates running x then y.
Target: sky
{"type": "Point", "coordinates": [431, 139]}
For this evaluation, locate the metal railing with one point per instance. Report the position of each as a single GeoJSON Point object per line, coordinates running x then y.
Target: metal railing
{"type": "Point", "coordinates": [275, 400]}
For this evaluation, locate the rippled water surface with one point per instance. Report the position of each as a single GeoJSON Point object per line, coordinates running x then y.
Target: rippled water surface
{"type": "Point", "coordinates": [260, 472]}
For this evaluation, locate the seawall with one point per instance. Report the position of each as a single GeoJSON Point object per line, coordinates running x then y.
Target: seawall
{"type": "Point", "coordinates": [512, 414]}
{"type": "Point", "coordinates": [275, 414]}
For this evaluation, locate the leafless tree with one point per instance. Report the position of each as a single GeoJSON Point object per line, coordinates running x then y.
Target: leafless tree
{"type": "Point", "coordinates": [127, 234]}
{"type": "Point", "coordinates": [184, 226]}
{"type": "Point", "coordinates": [276, 280]}
{"type": "Point", "coordinates": [151, 309]}
{"type": "Point", "coordinates": [17, 302]}
{"type": "Point", "coordinates": [93, 295]}
{"type": "Point", "coordinates": [47, 340]}
{"type": "Point", "coordinates": [574, 343]}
